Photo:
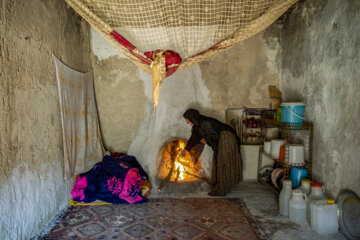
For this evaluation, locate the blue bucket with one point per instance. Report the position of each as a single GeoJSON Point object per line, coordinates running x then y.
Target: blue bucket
{"type": "Point", "coordinates": [292, 112]}
{"type": "Point", "coordinates": [296, 175]}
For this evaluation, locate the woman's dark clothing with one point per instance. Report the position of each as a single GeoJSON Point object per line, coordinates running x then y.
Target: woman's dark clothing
{"type": "Point", "coordinates": [225, 144]}
{"type": "Point", "coordinates": [194, 138]}
{"type": "Point", "coordinates": [226, 170]}
{"type": "Point", "coordinates": [207, 128]}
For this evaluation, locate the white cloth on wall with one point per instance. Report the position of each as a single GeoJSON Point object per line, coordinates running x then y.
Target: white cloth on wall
{"type": "Point", "coordinates": [82, 141]}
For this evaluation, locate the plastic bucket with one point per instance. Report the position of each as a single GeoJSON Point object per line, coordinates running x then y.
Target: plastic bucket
{"type": "Point", "coordinates": [296, 175]}
{"type": "Point", "coordinates": [292, 112]}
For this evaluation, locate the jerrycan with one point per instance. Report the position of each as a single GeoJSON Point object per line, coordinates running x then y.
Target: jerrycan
{"type": "Point", "coordinates": [324, 216]}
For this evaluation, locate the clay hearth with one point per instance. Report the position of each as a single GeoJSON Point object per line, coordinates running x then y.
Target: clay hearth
{"type": "Point", "coordinates": [176, 168]}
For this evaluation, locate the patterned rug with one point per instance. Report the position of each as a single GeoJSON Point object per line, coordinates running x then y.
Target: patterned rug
{"type": "Point", "coordinates": [190, 218]}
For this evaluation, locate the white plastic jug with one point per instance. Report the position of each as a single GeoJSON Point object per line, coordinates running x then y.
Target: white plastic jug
{"type": "Point", "coordinates": [305, 186]}
{"type": "Point", "coordinates": [315, 194]}
{"type": "Point", "coordinates": [297, 207]}
{"type": "Point", "coordinates": [284, 197]}
{"type": "Point", "coordinates": [275, 147]}
{"type": "Point", "coordinates": [324, 216]}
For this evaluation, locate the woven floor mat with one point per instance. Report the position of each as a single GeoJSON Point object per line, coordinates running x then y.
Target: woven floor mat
{"type": "Point", "coordinates": [162, 218]}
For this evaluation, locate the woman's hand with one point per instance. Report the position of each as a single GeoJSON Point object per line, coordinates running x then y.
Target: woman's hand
{"type": "Point", "coordinates": [203, 141]}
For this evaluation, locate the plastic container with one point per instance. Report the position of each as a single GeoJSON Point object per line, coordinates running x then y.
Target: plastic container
{"type": "Point", "coordinates": [296, 155]}
{"type": "Point", "coordinates": [316, 193]}
{"type": "Point", "coordinates": [278, 115]}
{"type": "Point", "coordinates": [296, 175]}
{"type": "Point", "coordinates": [324, 216]}
{"type": "Point", "coordinates": [267, 147]}
{"type": "Point", "coordinates": [292, 112]}
{"type": "Point", "coordinates": [297, 207]}
{"type": "Point", "coordinates": [281, 154]}
{"type": "Point", "coordinates": [305, 186]}
{"type": "Point", "coordinates": [284, 197]}
{"type": "Point", "coordinates": [275, 147]}
{"type": "Point", "coordinates": [314, 205]}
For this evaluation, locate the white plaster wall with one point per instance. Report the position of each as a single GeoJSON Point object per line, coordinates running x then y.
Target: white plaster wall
{"type": "Point", "coordinates": [29, 200]}
{"type": "Point", "coordinates": [166, 121]}
{"type": "Point", "coordinates": [32, 188]}
{"type": "Point", "coordinates": [320, 66]}
{"type": "Point", "coordinates": [102, 49]}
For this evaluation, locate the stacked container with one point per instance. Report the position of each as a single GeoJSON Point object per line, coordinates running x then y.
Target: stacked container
{"type": "Point", "coordinates": [315, 194]}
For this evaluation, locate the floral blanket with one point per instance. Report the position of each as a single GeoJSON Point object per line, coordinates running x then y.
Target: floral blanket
{"type": "Point", "coordinates": [117, 179]}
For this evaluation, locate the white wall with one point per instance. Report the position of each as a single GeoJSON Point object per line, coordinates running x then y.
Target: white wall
{"type": "Point", "coordinates": [32, 187]}
{"type": "Point", "coordinates": [320, 66]}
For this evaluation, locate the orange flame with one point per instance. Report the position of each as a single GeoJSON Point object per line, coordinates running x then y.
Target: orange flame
{"type": "Point", "coordinates": [184, 168]}
{"type": "Point", "coordinates": [178, 166]}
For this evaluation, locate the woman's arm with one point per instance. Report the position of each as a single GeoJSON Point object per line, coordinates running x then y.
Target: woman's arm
{"type": "Point", "coordinates": [194, 139]}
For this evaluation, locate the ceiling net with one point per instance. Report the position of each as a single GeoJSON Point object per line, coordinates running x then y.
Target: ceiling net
{"type": "Point", "coordinates": [191, 30]}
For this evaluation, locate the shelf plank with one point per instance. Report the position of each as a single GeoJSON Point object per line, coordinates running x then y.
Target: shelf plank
{"type": "Point", "coordinates": [269, 156]}
{"type": "Point", "coordinates": [272, 157]}
{"type": "Point", "coordinates": [270, 123]}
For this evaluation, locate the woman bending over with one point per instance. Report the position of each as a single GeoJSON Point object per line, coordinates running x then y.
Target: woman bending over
{"type": "Point", "coordinates": [226, 169]}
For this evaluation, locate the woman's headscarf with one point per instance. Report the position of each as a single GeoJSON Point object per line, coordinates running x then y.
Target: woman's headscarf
{"type": "Point", "coordinates": [193, 115]}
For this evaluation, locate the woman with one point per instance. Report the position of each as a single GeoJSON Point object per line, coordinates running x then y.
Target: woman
{"type": "Point", "coordinates": [226, 171]}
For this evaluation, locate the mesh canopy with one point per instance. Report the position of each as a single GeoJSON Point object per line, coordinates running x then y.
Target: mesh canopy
{"type": "Point", "coordinates": [194, 29]}
{"type": "Point", "coordinates": [187, 27]}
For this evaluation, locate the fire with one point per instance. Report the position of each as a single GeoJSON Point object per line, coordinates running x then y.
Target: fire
{"type": "Point", "coordinates": [180, 168]}
{"type": "Point", "coordinates": [181, 145]}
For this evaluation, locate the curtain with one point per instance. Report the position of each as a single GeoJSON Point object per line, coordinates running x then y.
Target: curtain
{"type": "Point", "coordinates": [81, 135]}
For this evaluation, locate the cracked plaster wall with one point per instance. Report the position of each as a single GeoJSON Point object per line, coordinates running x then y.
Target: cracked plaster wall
{"type": "Point", "coordinates": [32, 188]}
{"type": "Point", "coordinates": [320, 62]}
{"type": "Point", "coordinates": [233, 79]}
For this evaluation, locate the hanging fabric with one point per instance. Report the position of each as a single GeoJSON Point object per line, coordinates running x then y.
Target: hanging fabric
{"type": "Point", "coordinates": [82, 142]}
{"type": "Point", "coordinates": [179, 33]}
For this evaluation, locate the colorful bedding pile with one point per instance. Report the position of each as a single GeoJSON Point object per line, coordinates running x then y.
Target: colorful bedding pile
{"type": "Point", "coordinates": [118, 179]}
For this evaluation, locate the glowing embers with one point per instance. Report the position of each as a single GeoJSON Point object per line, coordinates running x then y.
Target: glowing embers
{"type": "Point", "coordinates": [174, 167]}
